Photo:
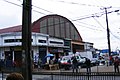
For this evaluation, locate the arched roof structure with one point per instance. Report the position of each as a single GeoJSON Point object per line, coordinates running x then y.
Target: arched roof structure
{"type": "Point", "coordinates": [56, 26]}
{"type": "Point", "coordinates": [53, 25]}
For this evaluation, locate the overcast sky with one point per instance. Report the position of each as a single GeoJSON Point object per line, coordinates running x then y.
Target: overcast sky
{"type": "Point", "coordinates": [80, 12]}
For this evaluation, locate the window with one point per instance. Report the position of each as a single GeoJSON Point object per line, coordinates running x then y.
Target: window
{"type": "Point", "coordinates": [54, 42]}
{"type": "Point", "coordinates": [12, 40]}
{"type": "Point", "coordinates": [42, 41]}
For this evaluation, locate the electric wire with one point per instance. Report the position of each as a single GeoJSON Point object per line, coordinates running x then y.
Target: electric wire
{"type": "Point", "coordinates": [72, 20]}
{"type": "Point", "coordinates": [21, 6]}
{"type": "Point", "coordinates": [74, 3]}
{"type": "Point", "coordinates": [49, 11]}
{"type": "Point", "coordinates": [88, 27]}
{"type": "Point", "coordinates": [115, 36]}
{"type": "Point", "coordinates": [98, 22]}
{"type": "Point", "coordinates": [12, 3]}
{"type": "Point", "coordinates": [38, 7]}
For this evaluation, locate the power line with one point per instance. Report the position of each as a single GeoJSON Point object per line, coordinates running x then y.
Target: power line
{"type": "Point", "coordinates": [48, 11]}
{"type": "Point", "coordinates": [21, 6]}
{"type": "Point", "coordinates": [115, 36]}
{"type": "Point", "coordinates": [87, 16]}
{"type": "Point", "coordinates": [51, 12]}
{"type": "Point", "coordinates": [12, 3]}
{"type": "Point", "coordinates": [42, 9]}
{"type": "Point", "coordinates": [98, 23]}
{"type": "Point", "coordinates": [39, 8]}
{"type": "Point", "coordinates": [87, 24]}
{"type": "Point", "coordinates": [88, 27]}
{"type": "Point", "coordinates": [74, 3]}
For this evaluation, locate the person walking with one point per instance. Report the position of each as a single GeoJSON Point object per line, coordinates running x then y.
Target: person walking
{"type": "Point", "coordinates": [88, 65]}
{"type": "Point", "coordinates": [39, 64]}
{"type": "Point", "coordinates": [75, 64]}
{"type": "Point", "coordinates": [116, 64]}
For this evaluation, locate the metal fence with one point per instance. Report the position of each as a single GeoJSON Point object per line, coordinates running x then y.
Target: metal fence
{"type": "Point", "coordinates": [70, 76]}
{"type": "Point", "coordinates": [77, 76]}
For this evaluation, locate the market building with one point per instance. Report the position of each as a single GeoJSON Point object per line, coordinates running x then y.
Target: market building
{"type": "Point", "coordinates": [51, 34]}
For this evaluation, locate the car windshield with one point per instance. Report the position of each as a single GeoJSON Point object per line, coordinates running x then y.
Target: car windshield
{"type": "Point", "coordinates": [66, 58]}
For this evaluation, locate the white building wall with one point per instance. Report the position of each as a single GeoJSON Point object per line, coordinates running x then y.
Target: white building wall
{"type": "Point", "coordinates": [41, 38]}
{"type": "Point", "coordinates": [56, 40]}
{"type": "Point", "coordinates": [35, 50]}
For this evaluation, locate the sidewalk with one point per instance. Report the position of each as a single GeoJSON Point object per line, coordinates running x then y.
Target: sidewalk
{"type": "Point", "coordinates": [93, 69]}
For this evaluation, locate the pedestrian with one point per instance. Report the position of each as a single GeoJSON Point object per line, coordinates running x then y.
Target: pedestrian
{"type": "Point", "coordinates": [15, 76]}
{"type": "Point", "coordinates": [111, 60]}
{"type": "Point", "coordinates": [88, 65]}
{"type": "Point", "coordinates": [116, 64]}
{"type": "Point", "coordinates": [39, 63]}
{"type": "Point", "coordinates": [75, 64]}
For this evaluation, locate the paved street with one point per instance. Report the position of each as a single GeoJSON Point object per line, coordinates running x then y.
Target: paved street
{"type": "Point", "coordinates": [93, 69]}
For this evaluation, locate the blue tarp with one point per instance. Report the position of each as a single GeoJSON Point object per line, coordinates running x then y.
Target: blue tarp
{"type": "Point", "coordinates": [107, 51]}
{"type": "Point", "coordinates": [49, 55]}
{"type": "Point", "coordinates": [114, 53]}
{"type": "Point", "coordinates": [104, 51]}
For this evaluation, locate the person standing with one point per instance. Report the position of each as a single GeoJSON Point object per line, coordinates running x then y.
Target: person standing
{"type": "Point", "coordinates": [39, 63]}
{"type": "Point", "coordinates": [88, 65]}
{"type": "Point", "coordinates": [75, 64]}
{"type": "Point", "coordinates": [116, 64]}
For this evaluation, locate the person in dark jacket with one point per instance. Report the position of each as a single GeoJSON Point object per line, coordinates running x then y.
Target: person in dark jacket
{"type": "Point", "coordinates": [116, 64]}
{"type": "Point", "coordinates": [88, 65]}
{"type": "Point", "coordinates": [75, 64]}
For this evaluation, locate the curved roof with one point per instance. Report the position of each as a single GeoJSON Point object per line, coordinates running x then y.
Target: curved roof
{"type": "Point", "coordinates": [53, 25]}
{"type": "Point", "coordinates": [56, 26]}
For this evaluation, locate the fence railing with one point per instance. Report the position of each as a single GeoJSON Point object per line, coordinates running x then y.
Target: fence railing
{"type": "Point", "coordinates": [77, 76]}
{"type": "Point", "coordinates": [70, 76]}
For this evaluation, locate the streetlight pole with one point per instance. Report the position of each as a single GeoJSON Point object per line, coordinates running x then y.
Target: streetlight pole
{"type": "Point", "coordinates": [26, 40]}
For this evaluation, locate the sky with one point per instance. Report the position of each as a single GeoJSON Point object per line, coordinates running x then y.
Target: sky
{"type": "Point", "coordinates": [79, 12]}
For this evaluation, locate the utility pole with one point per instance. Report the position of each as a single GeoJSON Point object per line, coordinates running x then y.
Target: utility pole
{"type": "Point", "coordinates": [26, 40]}
{"type": "Point", "coordinates": [108, 31]}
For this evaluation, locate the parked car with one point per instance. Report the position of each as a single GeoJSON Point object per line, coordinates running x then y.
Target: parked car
{"type": "Point", "coordinates": [94, 62]}
{"type": "Point", "coordinates": [66, 62]}
{"type": "Point", "coordinates": [81, 60]}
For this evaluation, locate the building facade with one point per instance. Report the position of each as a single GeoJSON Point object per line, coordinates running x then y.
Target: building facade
{"type": "Point", "coordinates": [52, 34]}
